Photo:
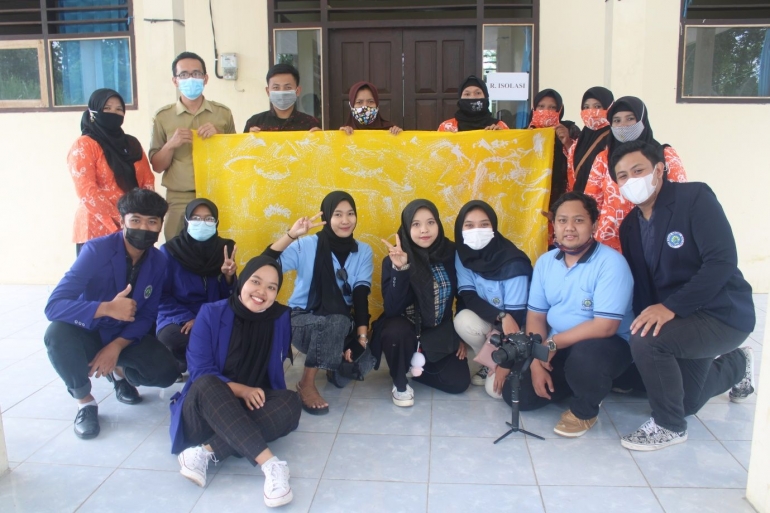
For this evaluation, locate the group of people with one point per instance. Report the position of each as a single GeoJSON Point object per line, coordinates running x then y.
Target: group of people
{"type": "Point", "coordinates": [667, 315]}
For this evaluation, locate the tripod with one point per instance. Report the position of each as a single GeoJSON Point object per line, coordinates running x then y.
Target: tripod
{"type": "Point", "coordinates": [515, 377]}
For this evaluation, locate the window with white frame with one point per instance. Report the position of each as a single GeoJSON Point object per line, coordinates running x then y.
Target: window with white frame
{"type": "Point", "coordinates": [55, 53]}
{"type": "Point", "coordinates": [724, 51]}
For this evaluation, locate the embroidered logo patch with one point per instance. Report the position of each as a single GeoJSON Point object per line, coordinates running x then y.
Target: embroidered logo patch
{"type": "Point", "coordinates": [147, 291]}
{"type": "Point", "coordinates": [496, 301]}
{"type": "Point", "coordinates": [675, 240]}
{"type": "Point", "coordinates": [587, 304]}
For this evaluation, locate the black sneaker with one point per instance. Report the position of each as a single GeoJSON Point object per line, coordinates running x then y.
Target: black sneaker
{"type": "Point", "coordinates": [745, 387]}
{"type": "Point", "coordinates": [125, 392]}
{"type": "Point", "coordinates": [87, 422]}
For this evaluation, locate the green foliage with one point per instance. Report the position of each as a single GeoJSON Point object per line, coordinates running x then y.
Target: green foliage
{"type": "Point", "coordinates": [21, 77]}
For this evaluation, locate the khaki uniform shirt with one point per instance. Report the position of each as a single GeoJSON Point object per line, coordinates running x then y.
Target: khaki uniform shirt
{"type": "Point", "coordinates": [180, 176]}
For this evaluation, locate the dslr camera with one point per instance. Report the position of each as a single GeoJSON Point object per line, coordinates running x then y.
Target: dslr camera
{"type": "Point", "coordinates": [517, 347]}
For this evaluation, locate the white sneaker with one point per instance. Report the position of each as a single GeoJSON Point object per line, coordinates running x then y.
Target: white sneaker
{"type": "Point", "coordinates": [277, 489]}
{"type": "Point", "coordinates": [745, 387]}
{"type": "Point", "coordinates": [403, 399]}
{"type": "Point", "coordinates": [479, 379]}
{"type": "Point", "coordinates": [651, 437]}
{"type": "Point", "coordinates": [195, 463]}
{"type": "Point", "coordinates": [489, 386]}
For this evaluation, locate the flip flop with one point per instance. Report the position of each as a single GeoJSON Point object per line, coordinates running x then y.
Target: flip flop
{"type": "Point", "coordinates": [308, 408]}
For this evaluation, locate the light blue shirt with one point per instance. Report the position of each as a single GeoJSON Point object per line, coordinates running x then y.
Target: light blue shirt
{"type": "Point", "coordinates": [300, 257]}
{"type": "Point", "coordinates": [600, 284]}
{"type": "Point", "coordinates": [506, 295]}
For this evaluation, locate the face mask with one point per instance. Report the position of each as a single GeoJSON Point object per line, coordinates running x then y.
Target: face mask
{"type": "Point", "coordinates": [191, 88]}
{"type": "Point", "coordinates": [478, 238]}
{"type": "Point", "coordinates": [106, 120]}
{"type": "Point", "coordinates": [473, 105]}
{"type": "Point", "coordinates": [141, 239]}
{"type": "Point", "coordinates": [545, 118]}
{"type": "Point", "coordinates": [283, 100]}
{"type": "Point", "coordinates": [200, 231]}
{"type": "Point", "coordinates": [638, 190]}
{"type": "Point", "coordinates": [628, 133]}
{"type": "Point", "coordinates": [594, 119]}
{"type": "Point", "coordinates": [364, 115]}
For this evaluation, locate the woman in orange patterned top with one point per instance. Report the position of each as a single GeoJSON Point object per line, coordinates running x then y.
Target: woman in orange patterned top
{"type": "Point", "coordinates": [105, 163]}
{"type": "Point", "coordinates": [628, 116]}
{"type": "Point", "coordinates": [592, 139]}
{"type": "Point", "coordinates": [472, 109]}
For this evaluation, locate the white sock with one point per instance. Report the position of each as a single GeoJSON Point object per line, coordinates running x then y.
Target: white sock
{"type": "Point", "coordinates": [274, 459]}
{"type": "Point", "coordinates": [92, 402]}
{"type": "Point", "coordinates": [116, 377]}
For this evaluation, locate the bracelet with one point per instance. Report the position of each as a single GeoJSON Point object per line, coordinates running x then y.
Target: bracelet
{"type": "Point", "coordinates": [292, 238]}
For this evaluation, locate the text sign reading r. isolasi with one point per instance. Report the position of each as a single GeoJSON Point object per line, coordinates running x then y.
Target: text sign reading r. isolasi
{"type": "Point", "coordinates": [262, 182]}
{"type": "Point", "coordinates": [508, 86]}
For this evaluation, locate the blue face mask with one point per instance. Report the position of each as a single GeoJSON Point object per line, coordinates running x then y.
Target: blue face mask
{"type": "Point", "coordinates": [200, 231]}
{"type": "Point", "coordinates": [191, 88]}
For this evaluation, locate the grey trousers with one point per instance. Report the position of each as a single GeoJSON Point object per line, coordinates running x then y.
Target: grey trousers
{"type": "Point", "coordinates": [320, 337]}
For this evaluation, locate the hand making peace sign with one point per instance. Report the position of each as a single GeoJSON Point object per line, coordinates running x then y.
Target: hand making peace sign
{"type": "Point", "coordinates": [398, 256]}
{"type": "Point", "coordinates": [303, 225]}
{"type": "Point", "coordinates": [229, 267]}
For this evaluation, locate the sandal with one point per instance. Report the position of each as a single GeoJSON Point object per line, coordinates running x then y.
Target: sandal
{"type": "Point", "coordinates": [308, 399]}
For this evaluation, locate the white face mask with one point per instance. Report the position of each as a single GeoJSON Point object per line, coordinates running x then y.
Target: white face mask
{"type": "Point", "coordinates": [478, 238]}
{"type": "Point", "coordinates": [638, 190]}
{"type": "Point", "coordinates": [283, 100]}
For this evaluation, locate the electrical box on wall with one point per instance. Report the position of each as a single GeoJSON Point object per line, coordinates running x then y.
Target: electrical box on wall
{"type": "Point", "coordinates": [229, 66]}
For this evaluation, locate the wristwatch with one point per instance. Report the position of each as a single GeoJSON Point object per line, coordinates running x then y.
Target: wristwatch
{"type": "Point", "coordinates": [364, 337]}
{"type": "Point", "coordinates": [551, 344]}
{"type": "Point", "coordinates": [501, 315]}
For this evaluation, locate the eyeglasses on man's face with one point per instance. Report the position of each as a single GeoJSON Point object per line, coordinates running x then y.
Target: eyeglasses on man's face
{"type": "Point", "coordinates": [195, 74]}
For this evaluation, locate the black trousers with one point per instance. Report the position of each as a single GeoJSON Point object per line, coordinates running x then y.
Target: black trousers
{"type": "Point", "coordinates": [71, 348]}
{"type": "Point", "coordinates": [679, 368]}
{"type": "Point", "coordinates": [176, 342]}
{"type": "Point", "coordinates": [583, 371]}
{"type": "Point", "coordinates": [399, 342]}
{"type": "Point", "coordinates": [212, 415]}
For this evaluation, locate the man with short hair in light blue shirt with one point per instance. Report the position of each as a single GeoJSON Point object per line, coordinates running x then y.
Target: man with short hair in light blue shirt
{"type": "Point", "coordinates": [580, 304]}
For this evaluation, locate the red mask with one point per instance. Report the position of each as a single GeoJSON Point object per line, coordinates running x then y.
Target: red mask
{"type": "Point", "coordinates": [594, 119]}
{"type": "Point", "coordinates": [544, 118]}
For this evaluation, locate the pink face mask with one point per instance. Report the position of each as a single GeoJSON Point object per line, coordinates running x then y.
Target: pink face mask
{"type": "Point", "coordinates": [544, 118]}
{"type": "Point", "coordinates": [594, 119]}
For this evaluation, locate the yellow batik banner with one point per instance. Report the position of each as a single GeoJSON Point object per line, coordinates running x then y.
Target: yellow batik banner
{"type": "Point", "coordinates": [263, 182]}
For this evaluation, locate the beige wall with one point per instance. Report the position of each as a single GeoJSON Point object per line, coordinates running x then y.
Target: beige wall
{"type": "Point", "coordinates": [630, 47]}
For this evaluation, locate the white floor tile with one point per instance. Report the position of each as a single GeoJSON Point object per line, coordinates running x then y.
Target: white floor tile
{"type": "Point", "coordinates": [698, 500]}
{"type": "Point", "coordinates": [369, 496]}
{"type": "Point", "coordinates": [599, 499]}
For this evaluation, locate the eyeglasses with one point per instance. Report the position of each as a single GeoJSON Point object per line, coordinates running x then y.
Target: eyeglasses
{"type": "Point", "coordinates": [209, 220]}
{"type": "Point", "coordinates": [342, 274]}
{"type": "Point", "coordinates": [195, 74]}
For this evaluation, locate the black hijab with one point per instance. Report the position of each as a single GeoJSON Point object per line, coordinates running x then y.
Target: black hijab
{"type": "Point", "coordinates": [440, 252]}
{"type": "Point", "coordinates": [635, 105]}
{"type": "Point", "coordinates": [588, 137]}
{"type": "Point", "coordinates": [120, 149]}
{"type": "Point", "coordinates": [500, 259]}
{"type": "Point", "coordinates": [559, 168]}
{"type": "Point", "coordinates": [204, 258]}
{"type": "Point", "coordinates": [325, 296]}
{"type": "Point", "coordinates": [252, 336]}
{"type": "Point", "coordinates": [473, 114]}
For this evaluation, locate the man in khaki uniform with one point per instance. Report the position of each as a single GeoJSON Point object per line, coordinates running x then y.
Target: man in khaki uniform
{"type": "Point", "coordinates": [171, 145]}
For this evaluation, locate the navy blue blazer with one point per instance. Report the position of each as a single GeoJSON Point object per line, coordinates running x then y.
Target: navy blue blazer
{"type": "Point", "coordinates": [695, 259]}
{"type": "Point", "coordinates": [97, 275]}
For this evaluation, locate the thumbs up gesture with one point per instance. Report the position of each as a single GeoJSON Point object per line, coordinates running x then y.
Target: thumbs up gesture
{"type": "Point", "coordinates": [122, 307]}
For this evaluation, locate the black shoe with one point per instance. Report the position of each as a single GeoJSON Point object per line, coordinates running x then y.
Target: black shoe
{"type": "Point", "coordinates": [125, 392]}
{"type": "Point", "coordinates": [87, 422]}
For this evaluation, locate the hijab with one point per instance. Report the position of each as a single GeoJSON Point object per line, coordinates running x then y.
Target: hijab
{"type": "Point", "coordinates": [559, 170]}
{"type": "Point", "coordinates": [635, 105]}
{"type": "Point", "coordinates": [440, 252]}
{"type": "Point", "coordinates": [500, 259]}
{"type": "Point", "coordinates": [470, 118]}
{"type": "Point", "coordinates": [120, 149]}
{"type": "Point", "coordinates": [252, 337]}
{"type": "Point", "coordinates": [325, 296]}
{"type": "Point", "coordinates": [379, 122]}
{"type": "Point", "coordinates": [204, 258]}
{"type": "Point", "coordinates": [588, 137]}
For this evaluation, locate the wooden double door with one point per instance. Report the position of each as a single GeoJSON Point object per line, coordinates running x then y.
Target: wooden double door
{"type": "Point", "coordinates": [417, 72]}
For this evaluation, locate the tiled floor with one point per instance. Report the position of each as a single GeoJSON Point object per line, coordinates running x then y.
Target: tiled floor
{"type": "Point", "coordinates": [366, 455]}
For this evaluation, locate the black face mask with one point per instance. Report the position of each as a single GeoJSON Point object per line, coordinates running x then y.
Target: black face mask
{"type": "Point", "coordinates": [108, 120]}
{"type": "Point", "coordinates": [473, 106]}
{"type": "Point", "coordinates": [141, 239]}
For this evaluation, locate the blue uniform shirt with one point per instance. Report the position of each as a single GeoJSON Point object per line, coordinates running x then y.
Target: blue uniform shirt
{"type": "Point", "coordinates": [599, 285]}
{"type": "Point", "coordinates": [508, 295]}
{"type": "Point", "coordinates": [300, 256]}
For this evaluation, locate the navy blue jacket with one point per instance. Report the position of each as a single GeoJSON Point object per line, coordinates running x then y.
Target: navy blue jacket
{"type": "Point", "coordinates": [696, 262]}
{"type": "Point", "coordinates": [207, 353]}
{"type": "Point", "coordinates": [97, 276]}
{"type": "Point", "coordinates": [184, 292]}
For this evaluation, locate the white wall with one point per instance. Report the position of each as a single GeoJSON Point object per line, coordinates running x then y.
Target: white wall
{"type": "Point", "coordinates": [629, 46]}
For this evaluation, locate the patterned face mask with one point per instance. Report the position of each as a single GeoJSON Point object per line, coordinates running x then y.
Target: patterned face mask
{"type": "Point", "coordinates": [628, 133]}
{"type": "Point", "coordinates": [364, 115]}
{"type": "Point", "coordinates": [594, 119]}
{"type": "Point", "coordinates": [545, 118]}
